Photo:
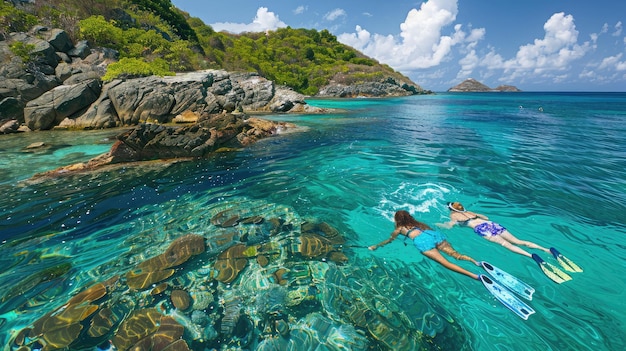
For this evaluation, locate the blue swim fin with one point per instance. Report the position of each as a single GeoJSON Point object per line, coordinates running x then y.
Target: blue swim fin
{"type": "Point", "coordinates": [510, 281]}
{"type": "Point", "coordinates": [507, 298]}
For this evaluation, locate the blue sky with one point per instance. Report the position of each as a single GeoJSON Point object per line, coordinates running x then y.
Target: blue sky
{"type": "Point", "coordinates": [536, 45]}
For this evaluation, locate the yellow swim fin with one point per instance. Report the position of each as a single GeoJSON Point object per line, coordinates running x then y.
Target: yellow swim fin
{"type": "Point", "coordinates": [565, 262]}
{"type": "Point", "coordinates": [551, 271]}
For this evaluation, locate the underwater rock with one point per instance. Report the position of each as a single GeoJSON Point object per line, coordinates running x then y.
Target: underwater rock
{"type": "Point", "coordinates": [262, 260]}
{"type": "Point", "coordinates": [294, 290]}
{"type": "Point", "coordinates": [158, 268]}
{"type": "Point", "coordinates": [140, 280]}
{"type": "Point", "coordinates": [36, 145]}
{"type": "Point", "coordinates": [95, 292]}
{"type": "Point", "coordinates": [102, 322]}
{"type": "Point", "coordinates": [135, 327]}
{"type": "Point", "coordinates": [181, 249]}
{"type": "Point", "coordinates": [201, 299]}
{"type": "Point", "coordinates": [230, 263]}
{"type": "Point", "coordinates": [181, 299]}
{"type": "Point", "coordinates": [159, 289]}
{"type": "Point", "coordinates": [62, 327]}
{"type": "Point", "coordinates": [232, 305]}
{"type": "Point", "coordinates": [322, 229]}
{"type": "Point", "coordinates": [218, 242]}
{"type": "Point", "coordinates": [225, 219]}
{"type": "Point", "coordinates": [27, 287]}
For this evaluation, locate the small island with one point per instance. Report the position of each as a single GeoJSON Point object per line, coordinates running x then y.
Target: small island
{"type": "Point", "coordinates": [472, 85]}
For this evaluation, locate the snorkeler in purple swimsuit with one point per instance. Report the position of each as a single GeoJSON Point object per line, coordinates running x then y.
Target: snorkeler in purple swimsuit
{"type": "Point", "coordinates": [496, 233]}
{"type": "Point", "coordinates": [489, 230]}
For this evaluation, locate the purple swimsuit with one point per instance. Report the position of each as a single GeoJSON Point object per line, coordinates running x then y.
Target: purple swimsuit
{"type": "Point", "coordinates": [489, 229]}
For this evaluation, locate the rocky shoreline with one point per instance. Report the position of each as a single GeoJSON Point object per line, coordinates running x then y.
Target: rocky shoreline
{"type": "Point", "coordinates": [188, 115]}
{"type": "Point", "coordinates": [61, 87]}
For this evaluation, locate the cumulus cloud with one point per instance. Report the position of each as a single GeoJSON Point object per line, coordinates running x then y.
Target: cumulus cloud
{"type": "Point", "coordinates": [555, 52]}
{"type": "Point", "coordinates": [264, 20]}
{"type": "Point", "coordinates": [334, 14]}
{"type": "Point", "coordinates": [421, 42]}
{"type": "Point", "coordinates": [468, 64]}
{"type": "Point", "coordinates": [300, 9]}
{"type": "Point", "coordinates": [610, 61]}
{"type": "Point", "coordinates": [618, 29]}
{"type": "Point", "coordinates": [613, 62]}
{"type": "Point", "coordinates": [605, 28]}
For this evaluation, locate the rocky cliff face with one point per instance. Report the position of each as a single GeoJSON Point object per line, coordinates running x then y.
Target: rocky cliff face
{"type": "Point", "coordinates": [62, 88]}
{"type": "Point", "coordinates": [472, 85]}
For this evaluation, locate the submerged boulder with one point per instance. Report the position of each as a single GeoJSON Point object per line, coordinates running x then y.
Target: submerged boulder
{"type": "Point", "coordinates": [156, 141]}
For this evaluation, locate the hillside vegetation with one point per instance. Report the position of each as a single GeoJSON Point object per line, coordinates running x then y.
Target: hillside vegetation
{"type": "Point", "coordinates": [154, 37]}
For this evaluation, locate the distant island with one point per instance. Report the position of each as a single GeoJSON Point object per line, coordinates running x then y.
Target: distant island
{"type": "Point", "coordinates": [472, 85]}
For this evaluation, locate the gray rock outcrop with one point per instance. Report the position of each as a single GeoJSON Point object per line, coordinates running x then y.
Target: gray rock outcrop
{"type": "Point", "coordinates": [61, 87]}
{"type": "Point", "coordinates": [148, 141]}
{"type": "Point", "coordinates": [63, 101]}
{"type": "Point", "coordinates": [385, 88]}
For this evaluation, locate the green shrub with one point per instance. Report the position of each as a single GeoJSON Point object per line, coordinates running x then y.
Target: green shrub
{"type": "Point", "coordinates": [22, 50]}
{"type": "Point", "coordinates": [180, 56]}
{"type": "Point", "coordinates": [135, 67]}
{"type": "Point", "coordinates": [101, 32]}
{"type": "Point", "coordinates": [14, 20]}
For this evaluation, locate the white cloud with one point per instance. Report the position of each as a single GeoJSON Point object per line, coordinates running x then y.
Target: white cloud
{"type": "Point", "coordinates": [300, 9]}
{"type": "Point", "coordinates": [613, 62]}
{"type": "Point", "coordinates": [468, 64]}
{"type": "Point", "coordinates": [618, 29]}
{"type": "Point", "coordinates": [476, 35]}
{"type": "Point", "coordinates": [610, 61]}
{"type": "Point", "coordinates": [357, 40]}
{"type": "Point", "coordinates": [594, 39]}
{"type": "Point", "coordinates": [587, 75]}
{"type": "Point", "coordinates": [264, 20]}
{"type": "Point", "coordinates": [605, 28]}
{"type": "Point", "coordinates": [555, 52]}
{"type": "Point", "coordinates": [334, 14]}
{"type": "Point", "coordinates": [421, 43]}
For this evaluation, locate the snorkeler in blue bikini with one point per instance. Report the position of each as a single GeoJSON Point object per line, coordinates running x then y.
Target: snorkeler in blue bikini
{"type": "Point", "coordinates": [430, 242]}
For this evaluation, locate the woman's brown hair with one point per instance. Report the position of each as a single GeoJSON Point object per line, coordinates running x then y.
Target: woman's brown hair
{"type": "Point", "coordinates": [404, 219]}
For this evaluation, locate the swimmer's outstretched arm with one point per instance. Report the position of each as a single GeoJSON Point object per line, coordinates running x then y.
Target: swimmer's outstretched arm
{"type": "Point", "coordinates": [393, 237]}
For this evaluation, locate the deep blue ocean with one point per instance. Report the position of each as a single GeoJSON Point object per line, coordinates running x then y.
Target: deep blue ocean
{"type": "Point", "coordinates": [551, 167]}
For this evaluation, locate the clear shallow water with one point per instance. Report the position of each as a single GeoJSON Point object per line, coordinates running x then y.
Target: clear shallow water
{"type": "Point", "coordinates": [556, 177]}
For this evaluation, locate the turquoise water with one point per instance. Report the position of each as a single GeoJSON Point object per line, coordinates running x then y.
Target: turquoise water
{"type": "Point", "coordinates": [556, 177]}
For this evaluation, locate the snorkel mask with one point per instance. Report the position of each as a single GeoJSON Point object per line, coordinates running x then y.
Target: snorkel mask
{"type": "Point", "coordinates": [451, 207]}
